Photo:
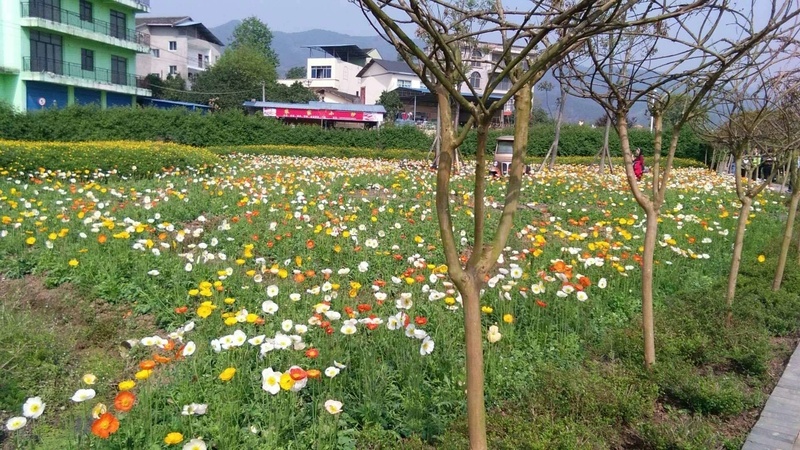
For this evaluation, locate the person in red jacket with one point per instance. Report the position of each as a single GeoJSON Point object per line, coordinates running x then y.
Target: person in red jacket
{"type": "Point", "coordinates": [638, 164]}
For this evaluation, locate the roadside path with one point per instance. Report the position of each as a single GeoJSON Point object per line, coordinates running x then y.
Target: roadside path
{"type": "Point", "coordinates": [778, 427]}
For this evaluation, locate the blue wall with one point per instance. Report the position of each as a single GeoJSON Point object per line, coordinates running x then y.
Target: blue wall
{"type": "Point", "coordinates": [55, 95]}
{"type": "Point", "coordinates": [87, 96]}
{"type": "Point", "coordinates": [114, 99]}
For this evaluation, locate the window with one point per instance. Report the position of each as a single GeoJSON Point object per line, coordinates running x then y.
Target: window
{"type": "Point", "coordinates": [477, 58]}
{"type": "Point", "coordinates": [87, 59]}
{"type": "Point", "coordinates": [321, 72]}
{"type": "Point", "coordinates": [173, 70]}
{"type": "Point", "coordinates": [156, 53]}
{"type": "Point", "coordinates": [475, 80]}
{"type": "Point", "coordinates": [200, 60]}
{"type": "Point", "coordinates": [86, 11]}
{"type": "Point", "coordinates": [504, 84]}
{"type": "Point", "coordinates": [46, 52]}
{"type": "Point", "coordinates": [119, 70]}
{"type": "Point", "coordinates": [173, 45]}
{"type": "Point", "coordinates": [119, 25]}
{"type": "Point", "coordinates": [404, 83]}
{"type": "Point", "coordinates": [46, 9]}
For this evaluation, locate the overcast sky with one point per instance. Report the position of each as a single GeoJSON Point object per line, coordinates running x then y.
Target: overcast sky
{"type": "Point", "coordinates": [280, 15]}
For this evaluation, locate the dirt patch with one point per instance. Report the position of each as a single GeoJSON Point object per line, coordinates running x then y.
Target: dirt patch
{"type": "Point", "coordinates": [65, 335]}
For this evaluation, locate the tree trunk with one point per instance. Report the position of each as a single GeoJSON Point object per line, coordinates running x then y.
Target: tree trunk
{"type": "Point", "coordinates": [738, 243]}
{"type": "Point", "coordinates": [559, 121]}
{"type": "Point", "coordinates": [604, 150]}
{"type": "Point", "coordinates": [787, 240]}
{"type": "Point", "coordinates": [648, 324]}
{"type": "Point", "coordinates": [476, 408]}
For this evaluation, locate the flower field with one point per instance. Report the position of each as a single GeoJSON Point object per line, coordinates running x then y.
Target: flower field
{"type": "Point", "coordinates": [304, 303]}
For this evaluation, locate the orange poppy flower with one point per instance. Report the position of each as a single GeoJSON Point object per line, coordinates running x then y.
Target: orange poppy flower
{"type": "Point", "coordinates": [419, 320]}
{"type": "Point", "coordinates": [299, 278]}
{"type": "Point", "coordinates": [314, 373]}
{"type": "Point", "coordinates": [312, 353]}
{"type": "Point", "coordinates": [102, 238]}
{"type": "Point", "coordinates": [124, 401]}
{"type": "Point", "coordinates": [310, 244]}
{"type": "Point", "coordinates": [169, 345]}
{"type": "Point", "coordinates": [297, 373]}
{"type": "Point", "coordinates": [148, 364]}
{"type": "Point", "coordinates": [310, 273]}
{"type": "Point", "coordinates": [541, 303]}
{"type": "Point", "coordinates": [161, 359]}
{"type": "Point", "coordinates": [105, 426]}
{"type": "Point", "coordinates": [363, 307]}
{"type": "Point", "coordinates": [181, 309]}
{"type": "Point", "coordinates": [585, 281]}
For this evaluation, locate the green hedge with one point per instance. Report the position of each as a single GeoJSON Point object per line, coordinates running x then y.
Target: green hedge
{"type": "Point", "coordinates": [87, 123]}
{"type": "Point", "coordinates": [119, 158]}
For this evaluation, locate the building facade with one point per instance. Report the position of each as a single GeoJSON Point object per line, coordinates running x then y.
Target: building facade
{"type": "Point", "coordinates": [382, 75]}
{"type": "Point", "coordinates": [62, 52]}
{"type": "Point", "coordinates": [179, 46]}
{"type": "Point", "coordinates": [332, 72]}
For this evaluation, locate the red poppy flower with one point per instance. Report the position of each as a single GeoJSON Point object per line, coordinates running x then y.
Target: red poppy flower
{"type": "Point", "coordinates": [312, 353]}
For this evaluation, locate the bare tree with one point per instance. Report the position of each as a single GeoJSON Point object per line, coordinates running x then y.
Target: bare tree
{"type": "Point", "coordinates": [784, 135]}
{"type": "Point", "coordinates": [533, 41]}
{"type": "Point", "coordinates": [652, 62]}
{"type": "Point", "coordinates": [552, 153]}
{"type": "Point", "coordinates": [745, 109]}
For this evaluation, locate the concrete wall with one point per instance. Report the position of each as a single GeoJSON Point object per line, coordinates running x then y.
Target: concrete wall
{"type": "Point", "coordinates": [185, 57]}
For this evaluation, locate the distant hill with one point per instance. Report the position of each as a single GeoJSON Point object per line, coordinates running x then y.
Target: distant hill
{"type": "Point", "coordinates": [292, 52]}
{"type": "Point", "coordinates": [290, 46]}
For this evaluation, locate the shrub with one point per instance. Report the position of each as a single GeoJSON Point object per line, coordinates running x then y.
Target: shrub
{"type": "Point", "coordinates": [137, 159]}
{"type": "Point", "coordinates": [233, 127]}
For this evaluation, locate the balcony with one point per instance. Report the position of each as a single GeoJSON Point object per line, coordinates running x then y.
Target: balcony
{"type": "Point", "coordinates": [62, 72]}
{"type": "Point", "coordinates": [63, 17]}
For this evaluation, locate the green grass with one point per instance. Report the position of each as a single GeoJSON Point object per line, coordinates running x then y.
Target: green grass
{"type": "Point", "coordinates": [566, 373]}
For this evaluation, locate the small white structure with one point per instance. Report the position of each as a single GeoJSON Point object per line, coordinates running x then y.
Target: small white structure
{"type": "Point", "coordinates": [331, 72]}
{"type": "Point", "coordinates": [179, 46]}
{"type": "Point", "coordinates": [382, 75]}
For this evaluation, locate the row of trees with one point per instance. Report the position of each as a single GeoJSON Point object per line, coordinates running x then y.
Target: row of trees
{"type": "Point", "coordinates": [245, 71]}
{"type": "Point", "coordinates": [674, 55]}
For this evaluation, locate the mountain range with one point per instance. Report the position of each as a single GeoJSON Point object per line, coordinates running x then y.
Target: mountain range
{"type": "Point", "coordinates": [292, 52]}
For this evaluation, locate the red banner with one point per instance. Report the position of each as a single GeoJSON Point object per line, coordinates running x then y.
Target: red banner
{"type": "Point", "coordinates": [317, 114]}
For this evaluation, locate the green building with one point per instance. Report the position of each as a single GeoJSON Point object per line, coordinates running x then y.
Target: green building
{"type": "Point", "coordinates": [55, 53]}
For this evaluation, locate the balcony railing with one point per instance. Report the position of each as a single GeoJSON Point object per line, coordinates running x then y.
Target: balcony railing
{"type": "Point", "coordinates": [61, 15]}
{"type": "Point", "coordinates": [69, 69]}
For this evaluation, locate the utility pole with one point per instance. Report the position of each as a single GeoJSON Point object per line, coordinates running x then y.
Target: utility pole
{"type": "Point", "coordinates": [263, 91]}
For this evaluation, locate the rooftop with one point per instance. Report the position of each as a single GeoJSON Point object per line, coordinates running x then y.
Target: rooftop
{"type": "Point", "coordinates": [345, 52]}
{"type": "Point", "coordinates": [179, 21]}
{"type": "Point", "coordinates": [389, 66]}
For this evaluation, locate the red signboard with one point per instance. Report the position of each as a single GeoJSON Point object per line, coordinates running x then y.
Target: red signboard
{"type": "Point", "coordinates": [317, 114]}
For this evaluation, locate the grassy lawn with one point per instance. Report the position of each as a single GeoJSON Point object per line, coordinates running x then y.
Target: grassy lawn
{"type": "Point", "coordinates": [305, 303]}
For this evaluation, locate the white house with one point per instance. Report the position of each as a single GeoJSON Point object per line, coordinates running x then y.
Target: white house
{"type": "Point", "coordinates": [179, 46]}
{"type": "Point", "coordinates": [382, 75]}
{"type": "Point", "coordinates": [332, 72]}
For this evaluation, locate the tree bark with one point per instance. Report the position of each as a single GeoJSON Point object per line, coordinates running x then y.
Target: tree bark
{"type": "Point", "coordinates": [476, 408]}
{"type": "Point", "coordinates": [648, 324]}
{"type": "Point", "coordinates": [604, 150]}
{"type": "Point", "coordinates": [787, 240]}
{"type": "Point", "coordinates": [559, 121]}
{"type": "Point", "coordinates": [738, 243]}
